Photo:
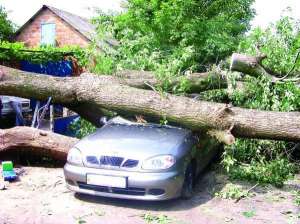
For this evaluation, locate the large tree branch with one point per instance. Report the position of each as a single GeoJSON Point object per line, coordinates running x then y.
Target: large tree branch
{"type": "Point", "coordinates": [197, 82]}
{"type": "Point", "coordinates": [252, 66]}
{"type": "Point", "coordinates": [36, 142]}
{"type": "Point", "coordinates": [249, 65]}
{"type": "Point", "coordinates": [95, 93]}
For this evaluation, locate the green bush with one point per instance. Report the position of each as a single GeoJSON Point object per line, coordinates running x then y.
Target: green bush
{"type": "Point", "coordinates": [260, 161]}
{"type": "Point", "coordinates": [275, 171]}
{"type": "Point", "coordinates": [39, 55]}
{"type": "Point", "coordinates": [82, 128]}
{"type": "Point", "coordinates": [261, 93]}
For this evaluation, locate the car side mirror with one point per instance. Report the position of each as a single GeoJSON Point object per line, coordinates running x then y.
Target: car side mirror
{"type": "Point", "coordinates": [103, 120]}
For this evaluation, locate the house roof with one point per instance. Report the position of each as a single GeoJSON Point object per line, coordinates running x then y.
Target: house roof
{"type": "Point", "coordinates": [80, 24]}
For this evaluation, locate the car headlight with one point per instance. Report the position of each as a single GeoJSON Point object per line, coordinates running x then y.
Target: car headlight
{"type": "Point", "coordinates": [74, 157]}
{"type": "Point", "coordinates": [159, 162]}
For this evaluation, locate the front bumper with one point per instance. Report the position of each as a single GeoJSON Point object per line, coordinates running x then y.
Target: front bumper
{"type": "Point", "coordinates": [140, 185]}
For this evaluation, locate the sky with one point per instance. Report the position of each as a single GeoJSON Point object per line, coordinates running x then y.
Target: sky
{"type": "Point", "coordinates": [270, 10]}
{"type": "Point", "coordinates": [20, 11]}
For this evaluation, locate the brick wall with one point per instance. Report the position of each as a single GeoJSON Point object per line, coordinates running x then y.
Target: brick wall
{"type": "Point", "coordinates": [65, 34]}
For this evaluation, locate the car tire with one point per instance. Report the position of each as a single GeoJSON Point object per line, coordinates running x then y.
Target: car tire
{"type": "Point", "coordinates": [188, 184]}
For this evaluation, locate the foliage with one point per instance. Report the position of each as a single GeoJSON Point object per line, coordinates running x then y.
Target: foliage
{"type": "Point", "coordinates": [6, 26]}
{"type": "Point", "coordinates": [232, 191]}
{"type": "Point", "coordinates": [213, 28]}
{"type": "Point", "coordinates": [265, 95]}
{"type": "Point", "coordinates": [275, 171]}
{"type": "Point", "coordinates": [171, 37]}
{"type": "Point", "coordinates": [259, 160]}
{"type": "Point", "coordinates": [103, 65]}
{"type": "Point", "coordinates": [262, 161]}
{"type": "Point", "coordinates": [280, 42]}
{"type": "Point", "coordinates": [82, 127]}
{"type": "Point", "coordinates": [39, 55]}
{"type": "Point", "coordinates": [249, 214]}
{"type": "Point", "coordinates": [297, 197]}
{"type": "Point", "coordinates": [154, 219]}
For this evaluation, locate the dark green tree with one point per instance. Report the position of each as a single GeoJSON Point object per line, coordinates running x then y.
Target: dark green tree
{"type": "Point", "coordinates": [6, 26]}
{"type": "Point", "coordinates": [213, 27]}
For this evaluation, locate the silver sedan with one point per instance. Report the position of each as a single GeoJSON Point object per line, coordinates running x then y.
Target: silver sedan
{"type": "Point", "coordinates": [138, 161]}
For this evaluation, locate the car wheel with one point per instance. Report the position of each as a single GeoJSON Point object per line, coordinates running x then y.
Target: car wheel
{"type": "Point", "coordinates": [187, 188]}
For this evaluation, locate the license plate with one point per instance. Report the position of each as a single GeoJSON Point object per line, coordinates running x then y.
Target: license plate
{"type": "Point", "coordinates": [107, 181]}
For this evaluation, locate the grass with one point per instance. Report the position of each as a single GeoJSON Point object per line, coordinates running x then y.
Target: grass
{"type": "Point", "coordinates": [235, 192]}
{"type": "Point", "coordinates": [296, 195]}
{"type": "Point", "coordinates": [156, 219]}
{"type": "Point", "coordinates": [249, 214]}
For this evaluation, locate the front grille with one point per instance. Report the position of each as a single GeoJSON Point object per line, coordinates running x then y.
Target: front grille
{"type": "Point", "coordinates": [111, 160]}
{"type": "Point", "coordinates": [115, 190]}
{"type": "Point", "coordinates": [130, 163]}
{"type": "Point", "coordinates": [92, 160]}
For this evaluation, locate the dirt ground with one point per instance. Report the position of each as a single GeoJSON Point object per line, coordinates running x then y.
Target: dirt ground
{"type": "Point", "coordinates": [40, 196]}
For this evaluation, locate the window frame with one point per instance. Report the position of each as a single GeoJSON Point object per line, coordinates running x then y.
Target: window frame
{"type": "Point", "coordinates": [41, 35]}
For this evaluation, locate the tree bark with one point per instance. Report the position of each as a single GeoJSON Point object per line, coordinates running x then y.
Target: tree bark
{"type": "Point", "coordinates": [252, 66]}
{"type": "Point", "coordinates": [36, 141]}
{"type": "Point", "coordinates": [249, 65]}
{"type": "Point", "coordinates": [91, 96]}
{"type": "Point", "coordinates": [196, 82]}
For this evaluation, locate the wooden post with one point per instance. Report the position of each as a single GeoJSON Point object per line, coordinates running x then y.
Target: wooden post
{"type": "Point", "coordinates": [51, 118]}
{"type": "Point", "coordinates": [65, 112]}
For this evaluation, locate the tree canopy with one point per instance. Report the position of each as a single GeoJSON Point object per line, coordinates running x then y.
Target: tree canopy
{"type": "Point", "coordinates": [6, 26]}
{"type": "Point", "coordinates": [212, 28]}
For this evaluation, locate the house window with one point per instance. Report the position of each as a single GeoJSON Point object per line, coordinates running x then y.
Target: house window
{"type": "Point", "coordinates": [48, 34]}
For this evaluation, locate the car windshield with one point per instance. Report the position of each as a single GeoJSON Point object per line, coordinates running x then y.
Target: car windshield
{"type": "Point", "coordinates": [122, 121]}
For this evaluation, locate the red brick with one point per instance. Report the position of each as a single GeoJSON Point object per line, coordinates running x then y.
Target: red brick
{"type": "Point", "coordinates": [65, 34]}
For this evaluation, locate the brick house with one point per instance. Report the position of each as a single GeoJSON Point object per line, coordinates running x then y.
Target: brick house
{"type": "Point", "coordinates": [52, 26]}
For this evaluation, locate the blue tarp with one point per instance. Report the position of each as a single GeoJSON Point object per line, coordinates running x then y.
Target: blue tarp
{"type": "Point", "coordinates": [60, 68]}
{"type": "Point", "coordinates": [62, 125]}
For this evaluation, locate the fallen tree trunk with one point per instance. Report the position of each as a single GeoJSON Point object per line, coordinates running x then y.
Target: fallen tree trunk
{"type": "Point", "coordinates": [249, 65]}
{"type": "Point", "coordinates": [253, 66]}
{"type": "Point", "coordinates": [196, 82]}
{"type": "Point", "coordinates": [99, 94]}
{"type": "Point", "coordinates": [36, 141]}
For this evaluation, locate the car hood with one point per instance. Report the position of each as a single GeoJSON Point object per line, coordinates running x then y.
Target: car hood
{"type": "Point", "coordinates": [133, 141]}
